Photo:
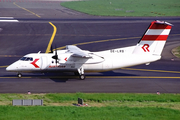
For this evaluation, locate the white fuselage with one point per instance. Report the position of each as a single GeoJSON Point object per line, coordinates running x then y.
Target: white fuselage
{"type": "Point", "coordinates": [99, 61]}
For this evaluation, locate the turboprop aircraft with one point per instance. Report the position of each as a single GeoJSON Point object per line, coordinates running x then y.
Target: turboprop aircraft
{"type": "Point", "coordinates": [73, 59]}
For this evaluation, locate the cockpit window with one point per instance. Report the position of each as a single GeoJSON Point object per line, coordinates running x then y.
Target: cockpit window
{"type": "Point", "coordinates": [31, 59]}
{"type": "Point", "coordinates": [26, 59]}
{"type": "Point", "coordinates": [23, 58]}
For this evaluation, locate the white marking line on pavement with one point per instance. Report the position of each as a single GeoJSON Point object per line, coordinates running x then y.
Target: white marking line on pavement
{"type": "Point", "coordinates": [8, 19]}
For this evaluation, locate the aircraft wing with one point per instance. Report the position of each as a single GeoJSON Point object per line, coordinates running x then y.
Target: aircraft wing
{"type": "Point", "coordinates": [77, 52]}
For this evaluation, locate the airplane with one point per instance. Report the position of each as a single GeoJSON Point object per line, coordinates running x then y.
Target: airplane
{"type": "Point", "coordinates": [74, 59]}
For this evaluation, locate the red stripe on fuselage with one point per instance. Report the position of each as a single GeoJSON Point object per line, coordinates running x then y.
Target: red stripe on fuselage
{"type": "Point", "coordinates": [155, 37]}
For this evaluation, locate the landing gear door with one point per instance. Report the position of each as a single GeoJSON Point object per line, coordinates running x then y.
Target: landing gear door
{"type": "Point", "coordinates": [44, 62]}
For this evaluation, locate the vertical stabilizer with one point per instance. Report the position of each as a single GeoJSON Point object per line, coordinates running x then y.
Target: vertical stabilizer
{"type": "Point", "coordinates": [154, 39]}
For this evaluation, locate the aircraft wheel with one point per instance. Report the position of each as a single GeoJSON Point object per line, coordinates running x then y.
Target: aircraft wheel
{"type": "Point", "coordinates": [82, 77]}
{"type": "Point", "coordinates": [19, 75]}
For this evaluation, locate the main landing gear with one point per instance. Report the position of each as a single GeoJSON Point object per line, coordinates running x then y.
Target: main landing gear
{"type": "Point", "coordinates": [81, 73]}
{"type": "Point", "coordinates": [82, 77]}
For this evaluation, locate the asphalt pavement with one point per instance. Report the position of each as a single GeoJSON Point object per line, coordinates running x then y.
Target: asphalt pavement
{"type": "Point", "coordinates": [25, 28]}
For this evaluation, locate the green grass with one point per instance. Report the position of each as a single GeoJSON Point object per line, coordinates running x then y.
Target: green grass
{"type": "Point", "coordinates": [176, 51]}
{"type": "Point", "coordinates": [94, 97]}
{"type": "Point", "coordinates": [102, 106]}
{"type": "Point", "coordinates": [99, 97]}
{"type": "Point", "coordinates": [126, 7]}
{"type": "Point", "coordinates": [87, 113]}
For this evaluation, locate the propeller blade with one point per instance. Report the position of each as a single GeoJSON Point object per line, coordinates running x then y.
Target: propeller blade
{"type": "Point", "coordinates": [55, 56]}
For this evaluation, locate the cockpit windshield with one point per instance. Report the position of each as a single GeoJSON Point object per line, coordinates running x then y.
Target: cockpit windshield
{"type": "Point", "coordinates": [26, 59]}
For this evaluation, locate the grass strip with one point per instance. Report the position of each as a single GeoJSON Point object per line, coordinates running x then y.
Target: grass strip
{"type": "Point", "coordinates": [6, 99]}
{"type": "Point", "coordinates": [102, 106]}
{"type": "Point", "coordinates": [99, 97]}
{"type": "Point", "coordinates": [96, 97]}
{"type": "Point", "coordinates": [126, 7]}
{"type": "Point", "coordinates": [176, 51]}
{"type": "Point", "coordinates": [87, 113]}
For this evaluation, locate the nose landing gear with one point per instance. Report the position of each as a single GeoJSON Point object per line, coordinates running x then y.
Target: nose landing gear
{"type": "Point", "coordinates": [19, 75]}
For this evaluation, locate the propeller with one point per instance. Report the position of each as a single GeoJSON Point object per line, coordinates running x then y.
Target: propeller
{"type": "Point", "coordinates": [55, 56]}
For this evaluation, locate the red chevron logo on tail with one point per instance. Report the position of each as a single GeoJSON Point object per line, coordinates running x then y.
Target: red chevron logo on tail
{"type": "Point", "coordinates": [145, 47]}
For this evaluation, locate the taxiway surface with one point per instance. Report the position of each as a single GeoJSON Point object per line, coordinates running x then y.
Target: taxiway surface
{"type": "Point", "coordinates": [32, 34]}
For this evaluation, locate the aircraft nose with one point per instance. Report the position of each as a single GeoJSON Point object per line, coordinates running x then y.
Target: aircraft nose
{"type": "Point", "coordinates": [11, 67]}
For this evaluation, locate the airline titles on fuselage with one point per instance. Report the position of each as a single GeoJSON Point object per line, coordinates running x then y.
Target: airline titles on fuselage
{"type": "Point", "coordinates": [117, 51]}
